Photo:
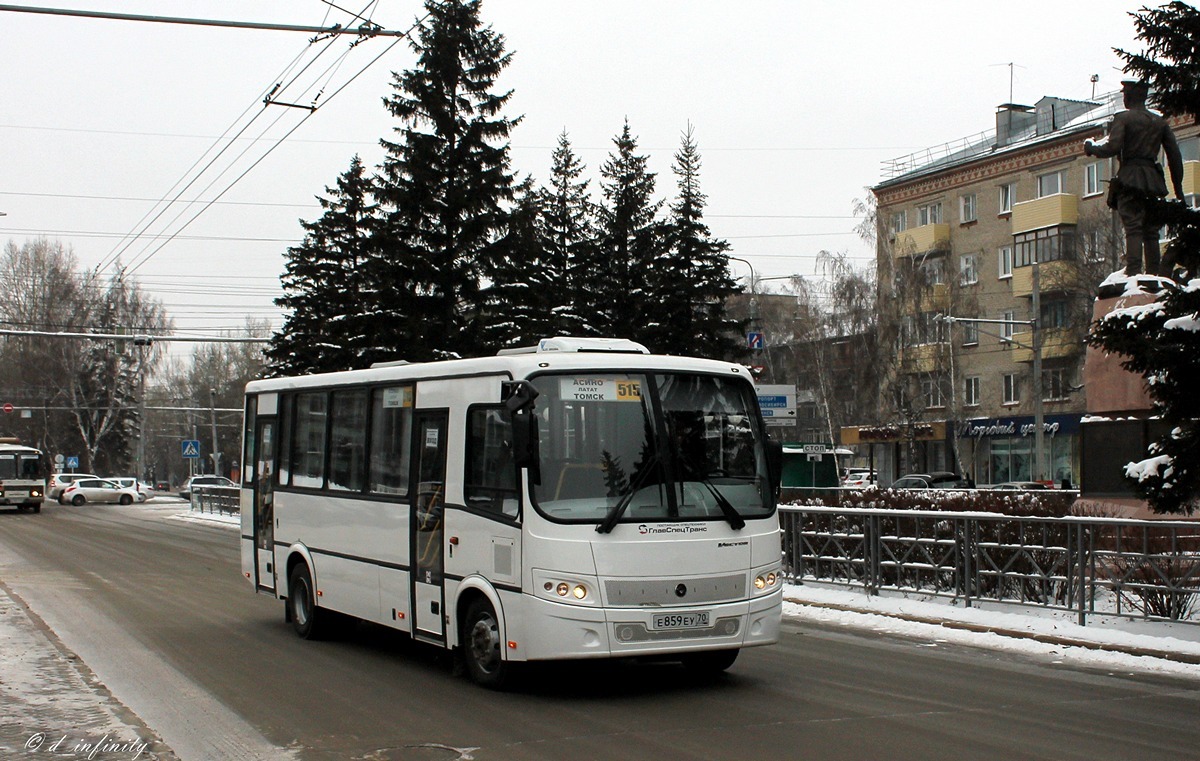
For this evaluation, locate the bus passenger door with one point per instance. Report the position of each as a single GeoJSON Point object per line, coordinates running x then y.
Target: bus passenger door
{"type": "Point", "coordinates": [428, 525]}
{"type": "Point", "coordinates": [264, 504]}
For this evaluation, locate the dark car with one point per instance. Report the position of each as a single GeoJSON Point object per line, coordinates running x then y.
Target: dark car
{"type": "Point", "coordinates": [934, 480]}
{"type": "Point", "coordinates": [1021, 486]}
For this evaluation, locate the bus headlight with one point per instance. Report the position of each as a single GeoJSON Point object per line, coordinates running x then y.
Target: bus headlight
{"type": "Point", "coordinates": [564, 588]}
{"type": "Point", "coordinates": [767, 581]}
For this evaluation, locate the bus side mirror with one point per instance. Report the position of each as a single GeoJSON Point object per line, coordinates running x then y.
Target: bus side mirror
{"type": "Point", "coordinates": [518, 399]}
{"type": "Point", "coordinates": [775, 463]}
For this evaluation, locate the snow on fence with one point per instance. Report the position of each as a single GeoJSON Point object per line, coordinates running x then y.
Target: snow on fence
{"type": "Point", "coordinates": [216, 499]}
{"type": "Point", "coordinates": [1089, 566]}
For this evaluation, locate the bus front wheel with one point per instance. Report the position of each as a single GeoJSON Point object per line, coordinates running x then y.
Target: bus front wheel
{"type": "Point", "coordinates": [307, 618]}
{"type": "Point", "coordinates": [482, 646]}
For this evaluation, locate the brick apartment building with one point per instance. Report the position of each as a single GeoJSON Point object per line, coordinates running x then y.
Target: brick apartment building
{"type": "Point", "coordinates": [961, 227]}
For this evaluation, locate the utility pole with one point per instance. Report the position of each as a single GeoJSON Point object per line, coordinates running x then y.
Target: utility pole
{"type": "Point", "coordinates": [143, 344]}
{"type": "Point", "coordinates": [216, 453]}
{"type": "Point", "coordinates": [1039, 428]}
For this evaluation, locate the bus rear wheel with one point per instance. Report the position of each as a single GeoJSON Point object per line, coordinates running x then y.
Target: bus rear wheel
{"type": "Point", "coordinates": [307, 618]}
{"type": "Point", "coordinates": [482, 646]}
{"type": "Point", "coordinates": [710, 661]}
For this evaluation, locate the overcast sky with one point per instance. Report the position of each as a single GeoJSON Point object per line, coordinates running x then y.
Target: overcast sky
{"type": "Point", "coordinates": [795, 106]}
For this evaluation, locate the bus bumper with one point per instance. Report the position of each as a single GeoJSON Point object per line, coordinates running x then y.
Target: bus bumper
{"type": "Point", "coordinates": [558, 631]}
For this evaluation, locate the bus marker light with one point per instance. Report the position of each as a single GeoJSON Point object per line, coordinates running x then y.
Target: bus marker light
{"type": "Point", "coordinates": [562, 589]}
{"type": "Point", "coordinates": [579, 591]}
{"type": "Point", "coordinates": [760, 582]}
{"type": "Point", "coordinates": [548, 586]}
{"type": "Point", "coordinates": [512, 645]}
{"type": "Point", "coordinates": [320, 593]}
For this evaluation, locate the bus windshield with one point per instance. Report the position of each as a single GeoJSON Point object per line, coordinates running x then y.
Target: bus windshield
{"type": "Point", "coordinates": [20, 466]}
{"type": "Point", "coordinates": [659, 447]}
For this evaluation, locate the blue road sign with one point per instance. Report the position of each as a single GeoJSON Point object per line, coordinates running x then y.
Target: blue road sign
{"type": "Point", "coordinates": [191, 448]}
{"type": "Point", "coordinates": [755, 340]}
{"type": "Point", "coordinates": [72, 462]}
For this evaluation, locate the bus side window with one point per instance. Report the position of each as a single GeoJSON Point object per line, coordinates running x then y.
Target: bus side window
{"type": "Point", "coordinates": [491, 477]}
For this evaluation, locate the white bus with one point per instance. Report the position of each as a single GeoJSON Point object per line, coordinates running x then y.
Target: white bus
{"type": "Point", "coordinates": [22, 475]}
{"type": "Point", "coordinates": [578, 499]}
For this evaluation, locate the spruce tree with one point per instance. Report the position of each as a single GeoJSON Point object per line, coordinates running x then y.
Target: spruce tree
{"type": "Point", "coordinates": [518, 298]}
{"type": "Point", "coordinates": [1170, 63]}
{"type": "Point", "coordinates": [615, 274]}
{"type": "Point", "coordinates": [692, 281]}
{"type": "Point", "coordinates": [330, 325]}
{"type": "Point", "coordinates": [444, 186]}
{"type": "Point", "coordinates": [568, 234]}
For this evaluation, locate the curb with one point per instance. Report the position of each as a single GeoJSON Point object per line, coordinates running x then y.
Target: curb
{"type": "Point", "coordinates": [1050, 639]}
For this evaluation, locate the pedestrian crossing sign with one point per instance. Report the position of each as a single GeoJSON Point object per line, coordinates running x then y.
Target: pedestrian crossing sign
{"type": "Point", "coordinates": [191, 448]}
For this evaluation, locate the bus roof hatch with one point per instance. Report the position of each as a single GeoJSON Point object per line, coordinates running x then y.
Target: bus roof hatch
{"type": "Point", "coordinates": [581, 345]}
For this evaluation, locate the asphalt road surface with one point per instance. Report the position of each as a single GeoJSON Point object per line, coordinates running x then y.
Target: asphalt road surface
{"type": "Point", "coordinates": [158, 609]}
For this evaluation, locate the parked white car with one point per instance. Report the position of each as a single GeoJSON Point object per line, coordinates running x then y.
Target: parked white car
{"type": "Point", "coordinates": [84, 490]}
{"type": "Point", "coordinates": [60, 481]}
{"type": "Point", "coordinates": [144, 490]}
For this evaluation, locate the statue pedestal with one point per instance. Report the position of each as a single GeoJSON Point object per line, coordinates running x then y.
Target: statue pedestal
{"type": "Point", "coordinates": [1110, 389]}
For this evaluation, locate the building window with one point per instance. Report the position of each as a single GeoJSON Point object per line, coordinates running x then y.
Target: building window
{"type": "Point", "coordinates": [968, 269]}
{"type": "Point", "coordinates": [1094, 175]}
{"type": "Point", "coordinates": [1093, 246]}
{"type": "Point", "coordinates": [971, 391]}
{"type": "Point", "coordinates": [921, 329]}
{"type": "Point", "coordinates": [966, 208]}
{"type": "Point", "coordinates": [931, 391]}
{"type": "Point", "coordinates": [899, 222]}
{"type": "Point", "coordinates": [970, 333]}
{"type": "Point", "coordinates": [930, 214]}
{"type": "Point", "coordinates": [1054, 384]}
{"type": "Point", "coordinates": [1008, 196]}
{"type": "Point", "coordinates": [1190, 148]}
{"type": "Point", "coordinates": [1054, 314]}
{"type": "Point", "coordinates": [1008, 327]}
{"type": "Point", "coordinates": [1048, 245]}
{"type": "Point", "coordinates": [1012, 389]}
{"type": "Point", "coordinates": [933, 271]}
{"type": "Point", "coordinates": [1051, 184]}
{"type": "Point", "coordinates": [1004, 254]}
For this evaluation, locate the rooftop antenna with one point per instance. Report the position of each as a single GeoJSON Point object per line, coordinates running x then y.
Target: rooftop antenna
{"type": "Point", "coordinates": [1010, 66]}
{"type": "Point", "coordinates": [1094, 79]}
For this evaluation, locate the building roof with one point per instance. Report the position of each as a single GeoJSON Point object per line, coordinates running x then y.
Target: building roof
{"type": "Point", "coordinates": [1051, 119]}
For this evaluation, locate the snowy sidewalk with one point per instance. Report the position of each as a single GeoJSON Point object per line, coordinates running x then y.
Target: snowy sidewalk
{"type": "Point", "coordinates": [53, 705]}
{"type": "Point", "coordinates": [1116, 643]}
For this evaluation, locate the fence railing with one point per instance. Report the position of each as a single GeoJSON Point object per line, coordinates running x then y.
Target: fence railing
{"type": "Point", "coordinates": [216, 499]}
{"type": "Point", "coordinates": [1089, 566]}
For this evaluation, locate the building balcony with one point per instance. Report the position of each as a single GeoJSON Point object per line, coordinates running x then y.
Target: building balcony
{"type": "Point", "coordinates": [936, 298]}
{"type": "Point", "coordinates": [1049, 211]}
{"type": "Point", "coordinates": [1191, 177]}
{"type": "Point", "coordinates": [925, 358]}
{"type": "Point", "coordinates": [922, 240]}
{"type": "Point", "coordinates": [1052, 276]}
{"type": "Point", "coordinates": [1057, 343]}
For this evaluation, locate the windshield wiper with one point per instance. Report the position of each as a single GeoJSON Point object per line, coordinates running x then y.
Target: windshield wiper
{"type": "Point", "coordinates": [731, 514]}
{"type": "Point", "coordinates": [614, 515]}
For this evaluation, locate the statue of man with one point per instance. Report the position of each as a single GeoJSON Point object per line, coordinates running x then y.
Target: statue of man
{"type": "Point", "coordinates": [1137, 135]}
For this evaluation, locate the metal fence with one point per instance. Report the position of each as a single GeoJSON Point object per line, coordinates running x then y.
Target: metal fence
{"type": "Point", "coordinates": [1089, 566]}
{"type": "Point", "coordinates": [216, 499]}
